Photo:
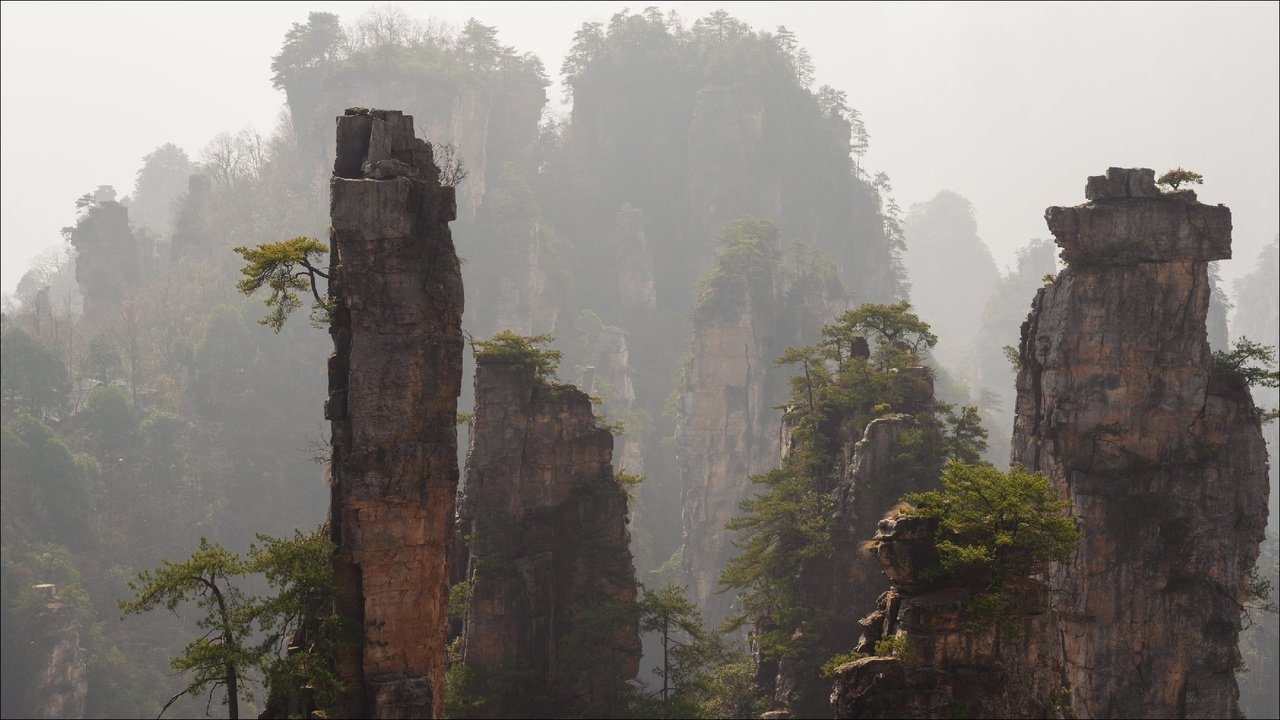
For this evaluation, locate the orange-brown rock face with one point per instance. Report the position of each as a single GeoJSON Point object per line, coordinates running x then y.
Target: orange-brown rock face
{"type": "Point", "coordinates": [394, 380]}
{"type": "Point", "coordinates": [551, 578]}
{"type": "Point", "coordinates": [1161, 457]}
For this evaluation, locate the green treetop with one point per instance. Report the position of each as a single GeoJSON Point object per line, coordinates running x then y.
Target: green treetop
{"type": "Point", "coordinates": [286, 267]}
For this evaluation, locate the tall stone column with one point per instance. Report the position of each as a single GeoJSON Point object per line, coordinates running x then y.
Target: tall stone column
{"type": "Point", "coordinates": [1160, 454]}
{"type": "Point", "coordinates": [394, 380]}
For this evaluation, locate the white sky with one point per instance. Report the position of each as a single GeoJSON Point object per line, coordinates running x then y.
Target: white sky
{"type": "Point", "coordinates": [1010, 105]}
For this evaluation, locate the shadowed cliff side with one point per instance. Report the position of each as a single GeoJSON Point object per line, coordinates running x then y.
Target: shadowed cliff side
{"type": "Point", "coordinates": [551, 619]}
{"type": "Point", "coordinates": [394, 380]}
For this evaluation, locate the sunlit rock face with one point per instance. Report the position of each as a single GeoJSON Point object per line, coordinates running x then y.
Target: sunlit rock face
{"type": "Point", "coordinates": [394, 380]}
{"type": "Point", "coordinates": [545, 530]}
{"type": "Point", "coordinates": [1161, 457]}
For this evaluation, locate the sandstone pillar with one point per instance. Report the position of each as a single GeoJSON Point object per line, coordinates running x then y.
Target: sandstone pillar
{"type": "Point", "coordinates": [1160, 455]}
{"type": "Point", "coordinates": [394, 380]}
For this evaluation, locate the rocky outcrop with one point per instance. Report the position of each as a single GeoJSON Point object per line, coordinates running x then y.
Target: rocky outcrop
{"type": "Point", "coordinates": [1159, 454]}
{"type": "Point", "coordinates": [54, 668]}
{"type": "Point", "coordinates": [550, 628]}
{"type": "Point", "coordinates": [633, 262]}
{"type": "Point", "coordinates": [611, 381]}
{"type": "Point", "coordinates": [527, 296]}
{"type": "Point", "coordinates": [191, 219]}
{"type": "Point", "coordinates": [873, 480]}
{"type": "Point", "coordinates": [947, 661]}
{"type": "Point", "coordinates": [110, 259]}
{"type": "Point", "coordinates": [727, 424]}
{"type": "Point", "coordinates": [394, 380]}
{"type": "Point", "coordinates": [867, 475]}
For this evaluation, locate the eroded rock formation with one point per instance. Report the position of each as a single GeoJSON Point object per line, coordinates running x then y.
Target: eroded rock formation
{"type": "Point", "coordinates": [110, 259]}
{"type": "Point", "coordinates": [728, 427]}
{"type": "Point", "coordinates": [394, 380]}
{"type": "Point", "coordinates": [949, 663]}
{"type": "Point", "coordinates": [868, 473]}
{"type": "Point", "coordinates": [550, 628]}
{"type": "Point", "coordinates": [1159, 454]}
{"type": "Point", "coordinates": [53, 667]}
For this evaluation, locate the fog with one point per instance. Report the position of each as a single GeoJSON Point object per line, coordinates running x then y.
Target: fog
{"type": "Point", "coordinates": [1010, 106]}
{"type": "Point", "coordinates": [692, 182]}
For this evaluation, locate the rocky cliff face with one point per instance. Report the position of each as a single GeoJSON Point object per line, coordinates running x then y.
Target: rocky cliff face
{"type": "Point", "coordinates": [394, 380]}
{"type": "Point", "coordinates": [1160, 455]}
{"type": "Point", "coordinates": [867, 476]}
{"type": "Point", "coordinates": [549, 569]}
{"type": "Point", "coordinates": [948, 663]}
{"type": "Point", "coordinates": [527, 298]}
{"type": "Point", "coordinates": [727, 424]}
{"type": "Point", "coordinates": [612, 382]}
{"type": "Point", "coordinates": [633, 261]}
{"type": "Point", "coordinates": [109, 259]}
{"type": "Point", "coordinates": [54, 668]}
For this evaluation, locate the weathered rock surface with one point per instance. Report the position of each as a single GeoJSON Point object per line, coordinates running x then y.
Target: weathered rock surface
{"type": "Point", "coordinates": [110, 259]}
{"type": "Point", "coordinates": [727, 424]}
{"type": "Point", "coordinates": [394, 380]}
{"type": "Point", "coordinates": [54, 668]}
{"type": "Point", "coordinates": [527, 298]}
{"type": "Point", "coordinates": [549, 567]}
{"type": "Point", "coordinates": [866, 478]}
{"type": "Point", "coordinates": [633, 261]}
{"type": "Point", "coordinates": [953, 665]}
{"type": "Point", "coordinates": [1160, 456]}
{"type": "Point", "coordinates": [612, 382]}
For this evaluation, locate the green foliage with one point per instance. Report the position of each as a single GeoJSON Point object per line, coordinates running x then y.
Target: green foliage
{"type": "Point", "coordinates": [689, 652]}
{"type": "Point", "coordinates": [245, 633]}
{"type": "Point", "coordinates": [34, 380]}
{"type": "Point", "coordinates": [901, 337]}
{"type": "Point", "coordinates": [109, 421]}
{"type": "Point", "coordinates": [1250, 362]}
{"type": "Point", "coordinates": [835, 661]}
{"type": "Point", "coordinates": [778, 529]}
{"type": "Point", "coordinates": [1013, 356]}
{"type": "Point", "coordinates": [746, 249]}
{"type": "Point", "coordinates": [286, 268]}
{"type": "Point", "coordinates": [734, 693]}
{"type": "Point", "coordinates": [220, 656]}
{"type": "Point", "coordinates": [1011, 524]}
{"type": "Point", "coordinates": [1177, 177]}
{"type": "Point", "coordinates": [967, 438]}
{"type": "Point", "coordinates": [46, 484]}
{"type": "Point", "coordinates": [102, 361]}
{"type": "Point", "coordinates": [538, 363]}
{"type": "Point", "coordinates": [897, 645]}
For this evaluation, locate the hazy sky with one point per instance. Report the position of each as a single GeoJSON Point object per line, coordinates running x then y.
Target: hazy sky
{"type": "Point", "coordinates": [1010, 105]}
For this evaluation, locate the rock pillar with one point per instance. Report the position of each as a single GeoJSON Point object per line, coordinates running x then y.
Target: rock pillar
{"type": "Point", "coordinates": [394, 380]}
{"type": "Point", "coordinates": [1159, 453]}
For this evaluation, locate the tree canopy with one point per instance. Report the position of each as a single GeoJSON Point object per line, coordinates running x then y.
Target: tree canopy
{"type": "Point", "coordinates": [286, 268]}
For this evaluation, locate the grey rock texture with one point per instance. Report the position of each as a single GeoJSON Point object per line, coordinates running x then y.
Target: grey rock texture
{"type": "Point", "coordinates": [546, 530]}
{"type": "Point", "coordinates": [1161, 457]}
{"type": "Point", "coordinates": [394, 380]}
{"type": "Point", "coordinates": [953, 663]}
